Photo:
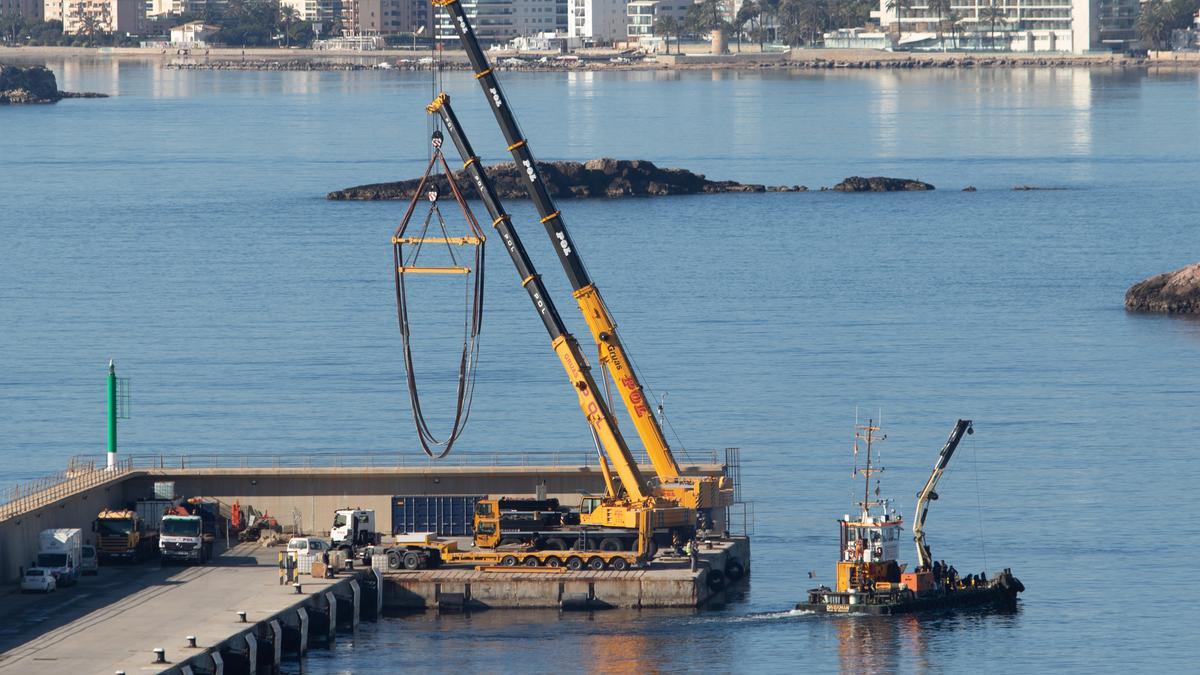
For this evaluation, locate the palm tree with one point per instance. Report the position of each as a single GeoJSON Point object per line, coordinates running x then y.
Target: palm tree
{"type": "Point", "coordinates": [1154, 23]}
{"type": "Point", "coordinates": [993, 14]}
{"type": "Point", "coordinates": [953, 21]}
{"type": "Point", "coordinates": [666, 26]}
{"type": "Point", "coordinates": [941, 8]}
{"type": "Point", "coordinates": [898, 6]}
{"type": "Point", "coordinates": [746, 14]}
{"type": "Point", "coordinates": [287, 16]}
{"type": "Point", "coordinates": [813, 18]}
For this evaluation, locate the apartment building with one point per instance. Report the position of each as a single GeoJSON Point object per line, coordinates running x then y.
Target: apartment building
{"type": "Point", "coordinates": [27, 9]}
{"type": "Point", "coordinates": [642, 15]}
{"type": "Point", "coordinates": [498, 21]}
{"type": "Point", "coordinates": [96, 16]}
{"type": "Point", "coordinates": [1077, 26]}
{"type": "Point", "coordinates": [598, 20]}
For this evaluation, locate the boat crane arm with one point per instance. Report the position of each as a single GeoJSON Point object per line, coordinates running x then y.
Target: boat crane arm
{"type": "Point", "coordinates": [595, 312]}
{"type": "Point", "coordinates": [927, 494]}
{"type": "Point", "coordinates": [594, 407]}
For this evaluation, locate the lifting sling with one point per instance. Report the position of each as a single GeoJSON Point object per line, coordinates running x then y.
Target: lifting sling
{"type": "Point", "coordinates": [406, 251]}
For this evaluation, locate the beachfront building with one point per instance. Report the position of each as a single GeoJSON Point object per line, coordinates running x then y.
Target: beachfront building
{"type": "Point", "coordinates": [313, 11]}
{"type": "Point", "coordinates": [95, 17]}
{"type": "Point", "coordinates": [641, 15]}
{"type": "Point", "coordinates": [1075, 26]}
{"type": "Point", "coordinates": [155, 8]}
{"type": "Point", "coordinates": [194, 34]}
{"type": "Point", "coordinates": [499, 21]}
{"type": "Point", "coordinates": [598, 20]}
{"type": "Point", "coordinates": [26, 9]}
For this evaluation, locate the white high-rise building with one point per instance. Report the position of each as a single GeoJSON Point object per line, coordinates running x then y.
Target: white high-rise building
{"type": "Point", "coordinates": [498, 21]}
{"type": "Point", "coordinates": [599, 20]}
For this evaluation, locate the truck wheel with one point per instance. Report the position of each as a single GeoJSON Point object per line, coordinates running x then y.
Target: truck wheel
{"type": "Point", "coordinates": [530, 561]}
{"type": "Point", "coordinates": [611, 544]}
{"type": "Point", "coordinates": [556, 544]}
{"type": "Point", "coordinates": [553, 561]}
{"type": "Point", "coordinates": [574, 563]}
{"type": "Point", "coordinates": [412, 561]}
{"type": "Point", "coordinates": [596, 563]}
{"type": "Point", "coordinates": [393, 560]}
{"type": "Point", "coordinates": [509, 561]}
{"type": "Point", "coordinates": [619, 564]}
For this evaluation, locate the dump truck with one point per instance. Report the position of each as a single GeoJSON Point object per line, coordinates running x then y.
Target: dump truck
{"type": "Point", "coordinates": [122, 534]}
{"type": "Point", "coordinates": [183, 539]}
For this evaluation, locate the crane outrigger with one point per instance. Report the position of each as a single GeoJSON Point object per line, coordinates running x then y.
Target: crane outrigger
{"type": "Point", "coordinates": [703, 493]}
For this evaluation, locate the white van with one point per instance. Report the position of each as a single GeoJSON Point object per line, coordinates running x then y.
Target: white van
{"type": "Point", "coordinates": [88, 563]}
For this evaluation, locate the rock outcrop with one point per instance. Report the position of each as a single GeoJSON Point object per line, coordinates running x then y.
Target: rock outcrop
{"type": "Point", "coordinates": [35, 84]}
{"type": "Point", "coordinates": [595, 178]}
{"type": "Point", "coordinates": [1175, 292]}
{"type": "Point", "coordinates": [880, 184]}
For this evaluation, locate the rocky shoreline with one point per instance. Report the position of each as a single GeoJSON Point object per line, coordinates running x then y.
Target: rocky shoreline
{"type": "Point", "coordinates": [1175, 292]}
{"type": "Point", "coordinates": [565, 180]}
{"type": "Point", "coordinates": [35, 84]}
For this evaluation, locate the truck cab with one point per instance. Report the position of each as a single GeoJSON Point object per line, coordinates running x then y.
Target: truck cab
{"type": "Point", "coordinates": [60, 552]}
{"type": "Point", "coordinates": [182, 538]}
{"type": "Point", "coordinates": [122, 534]}
{"type": "Point", "coordinates": [352, 528]}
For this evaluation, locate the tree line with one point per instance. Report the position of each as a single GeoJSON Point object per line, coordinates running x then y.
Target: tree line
{"type": "Point", "coordinates": [792, 22]}
{"type": "Point", "coordinates": [250, 23]}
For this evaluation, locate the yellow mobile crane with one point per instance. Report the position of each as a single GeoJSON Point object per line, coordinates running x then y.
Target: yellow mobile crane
{"type": "Point", "coordinates": [633, 506]}
{"type": "Point", "coordinates": [704, 493]}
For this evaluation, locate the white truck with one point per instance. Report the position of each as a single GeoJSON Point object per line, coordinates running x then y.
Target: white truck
{"type": "Point", "coordinates": [182, 539]}
{"type": "Point", "coordinates": [353, 529]}
{"type": "Point", "coordinates": [60, 551]}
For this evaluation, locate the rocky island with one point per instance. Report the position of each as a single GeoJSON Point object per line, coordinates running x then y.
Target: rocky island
{"type": "Point", "coordinates": [595, 178]}
{"type": "Point", "coordinates": [881, 184]}
{"type": "Point", "coordinates": [35, 84]}
{"type": "Point", "coordinates": [1175, 292]}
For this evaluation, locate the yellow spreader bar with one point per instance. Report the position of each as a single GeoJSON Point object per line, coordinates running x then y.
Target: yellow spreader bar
{"type": "Point", "coordinates": [461, 241]}
{"type": "Point", "coordinates": [434, 270]}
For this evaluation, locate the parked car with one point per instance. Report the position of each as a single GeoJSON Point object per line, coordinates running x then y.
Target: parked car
{"type": "Point", "coordinates": [307, 546]}
{"type": "Point", "coordinates": [38, 579]}
{"type": "Point", "coordinates": [89, 563]}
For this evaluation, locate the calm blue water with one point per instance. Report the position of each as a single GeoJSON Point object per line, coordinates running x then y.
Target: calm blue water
{"type": "Point", "coordinates": [180, 227]}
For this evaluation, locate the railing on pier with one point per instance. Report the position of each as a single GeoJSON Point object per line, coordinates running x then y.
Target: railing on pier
{"type": "Point", "coordinates": [80, 475]}
{"type": "Point", "coordinates": [384, 460]}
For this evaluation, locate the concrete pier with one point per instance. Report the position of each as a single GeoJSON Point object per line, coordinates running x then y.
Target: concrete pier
{"type": "Point", "coordinates": [115, 621]}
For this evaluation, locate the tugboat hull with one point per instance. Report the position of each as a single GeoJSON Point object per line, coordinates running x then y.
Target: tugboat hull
{"type": "Point", "coordinates": [1000, 593]}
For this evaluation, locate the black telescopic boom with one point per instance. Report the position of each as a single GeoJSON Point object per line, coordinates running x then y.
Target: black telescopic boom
{"type": "Point", "coordinates": [551, 218]}
{"type": "Point", "coordinates": [530, 279]}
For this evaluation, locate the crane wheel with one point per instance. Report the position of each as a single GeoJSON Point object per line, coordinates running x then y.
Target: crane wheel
{"type": "Point", "coordinates": [556, 544]}
{"type": "Point", "coordinates": [619, 564]}
{"type": "Point", "coordinates": [393, 560]}
{"type": "Point", "coordinates": [412, 561]}
{"type": "Point", "coordinates": [553, 561]}
{"type": "Point", "coordinates": [611, 544]}
{"type": "Point", "coordinates": [509, 561]}
{"type": "Point", "coordinates": [595, 563]}
{"type": "Point", "coordinates": [716, 581]}
{"type": "Point", "coordinates": [734, 570]}
{"type": "Point", "coordinates": [574, 563]}
{"type": "Point", "coordinates": [530, 561]}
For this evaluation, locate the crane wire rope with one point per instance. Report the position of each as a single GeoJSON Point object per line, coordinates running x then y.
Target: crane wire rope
{"type": "Point", "coordinates": [979, 506]}
{"type": "Point", "coordinates": [404, 263]}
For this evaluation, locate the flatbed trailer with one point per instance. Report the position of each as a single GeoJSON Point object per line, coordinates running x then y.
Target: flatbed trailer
{"type": "Point", "coordinates": [433, 554]}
